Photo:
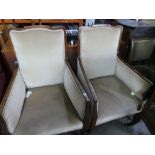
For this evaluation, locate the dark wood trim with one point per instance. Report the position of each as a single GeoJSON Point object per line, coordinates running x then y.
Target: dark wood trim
{"type": "Point", "coordinates": [87, 80]}
{"type": "Point", "coordinates": [2, 44]}
{"type": "Point", "coordinates": [150, 100]}
{"type": "Point", "coordinates": [41, 21]}
{"type": "Point", "coordinates": [3, 127]}
{"type": "Point", "coordinates": [92, 95]}
{"type": "Point", "coordinates": [120, 37]}
{"type": "Point", "coordinates": [39, 26]}
{"type": "Point", "coordinates": [7, 93]}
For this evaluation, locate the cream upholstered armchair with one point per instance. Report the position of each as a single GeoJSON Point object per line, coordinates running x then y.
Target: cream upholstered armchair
{"type": "Point", "coordinates": [44, 96]}
{"type": "Point", "coordinates": [116, 90]}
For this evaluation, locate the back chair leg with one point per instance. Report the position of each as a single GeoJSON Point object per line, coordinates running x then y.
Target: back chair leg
{"type": "Point", "coordinates": [136, 118]}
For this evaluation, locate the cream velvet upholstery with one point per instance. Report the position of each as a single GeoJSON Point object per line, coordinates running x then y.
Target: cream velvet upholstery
{"type": "Point", "coordinates": [13, 107]}
{"type": "Point", "coordinates": [141, 49]}
{"type": "Point", "coordinates": [114, 99]}
{"type": "Point", "coordinates": [41, 56]}
{"type": "Point", "coordinates": [76, 96]}
{"type": "Point", "coordinates": [48, 110]}
{"type": "Point", "coordinates": [98, 47]}
{"type": "Point", "coordinates": [112, 80]}
{"type": "Point", "coordinates": [56, 104]}
{"type": "Point", "coordinates": [131, 79]}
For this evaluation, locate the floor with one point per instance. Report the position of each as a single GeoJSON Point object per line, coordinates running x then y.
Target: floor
{"type": "Point", "coordinates": [117, 127]}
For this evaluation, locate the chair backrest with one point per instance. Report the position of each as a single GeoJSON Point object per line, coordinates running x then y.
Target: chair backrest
{"type": "Point", "coordinates": [141, 49]}
{"type": "Point", "coordinates": [149, 21]}
{"type": "Point", "coordinates": [98, 49]}
{"type": "Point", "coordinates": [41, 55]}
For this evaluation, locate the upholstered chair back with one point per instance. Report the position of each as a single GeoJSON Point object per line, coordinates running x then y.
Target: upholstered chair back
{"type": "Point", "coordinates": [142, 49]}
{"type": "Point", "coordinates": [41, 55]}
{"type": "Point", "coordinates": [98, 49]}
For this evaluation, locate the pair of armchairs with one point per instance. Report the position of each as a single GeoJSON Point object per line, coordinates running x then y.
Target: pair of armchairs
{"type": "Point", "coordinates": [45, 96]}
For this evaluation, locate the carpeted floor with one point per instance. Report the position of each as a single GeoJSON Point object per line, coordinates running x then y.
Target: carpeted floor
{"type": "Point", "coordinates": [117, 127]}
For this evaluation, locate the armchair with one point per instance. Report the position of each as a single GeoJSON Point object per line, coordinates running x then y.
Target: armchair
{"type": "Point", "coordinates": [44, 95]}
{"type": "Point", "coordinates": [117, 90]}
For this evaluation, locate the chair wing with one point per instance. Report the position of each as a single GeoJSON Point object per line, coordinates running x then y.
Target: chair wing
{"type": "Point", "coordinates": [130, 78]}
{"type": "Point", "coordinates": [142, 49]}
{"type": "Point", "coordinates": [12, 105]}
{"type": "Point", "coordinates": [78, 96]}
{"type": "Point", "coordinates": [45, 49]}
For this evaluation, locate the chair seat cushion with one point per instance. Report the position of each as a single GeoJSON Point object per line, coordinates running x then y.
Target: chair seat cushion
{"type": "Point", "coordinates": [48, 110]}
{"type": "Point", "coordinates": [114, 99]}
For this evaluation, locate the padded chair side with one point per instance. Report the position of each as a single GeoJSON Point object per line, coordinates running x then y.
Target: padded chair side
{"type": "Point", "coordinates": [138, 84]}
{"type": "Point", "coordinates": [12, 103]}
{"type": "Point", "coordinates": [141, 49]}
{"type": "Point", "coordinates": [78, 96]}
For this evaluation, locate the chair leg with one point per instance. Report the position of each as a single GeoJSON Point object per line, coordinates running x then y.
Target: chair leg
{"type": "Point", "coordinates": [136, 119]}
{"type": "Point", "coordinates": [85, 132]}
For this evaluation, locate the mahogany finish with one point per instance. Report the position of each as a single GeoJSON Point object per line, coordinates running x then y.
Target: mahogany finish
{"type": "Point", "coordinates": [41, 21]}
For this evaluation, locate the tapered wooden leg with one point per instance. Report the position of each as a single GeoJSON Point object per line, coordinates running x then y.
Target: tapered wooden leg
{"type": "Point", "coordinates": [136, 119]}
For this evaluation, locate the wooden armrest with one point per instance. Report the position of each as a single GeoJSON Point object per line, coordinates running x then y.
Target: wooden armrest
{"type": "Point", "coordinates": [87, 81]}
{"type": "Point", "coordinates": [91, 93]}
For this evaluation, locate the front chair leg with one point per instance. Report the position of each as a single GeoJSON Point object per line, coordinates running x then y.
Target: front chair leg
{"type": "Point", "coordinates": [136, 118]}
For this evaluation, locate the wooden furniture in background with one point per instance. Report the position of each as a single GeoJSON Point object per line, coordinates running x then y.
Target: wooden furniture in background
{"type": "Point", "coordinates": [2, 78]}
{"type": "Point", "coordinates": [72, 53]}
{"type": "Point", "coordinates": [42, 21]}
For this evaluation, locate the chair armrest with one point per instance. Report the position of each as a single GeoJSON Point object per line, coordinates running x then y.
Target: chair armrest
{"type": "Point", "coordinates": [138, 84]}
{"type": "Point", "coordinates": [85, 81]}
{"type": "Point", "coordinates": [88, 88]}
{"type": "Point", "coordinates": [12, 103]}
{"type": "Point", "coordinates": [78, 96]}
